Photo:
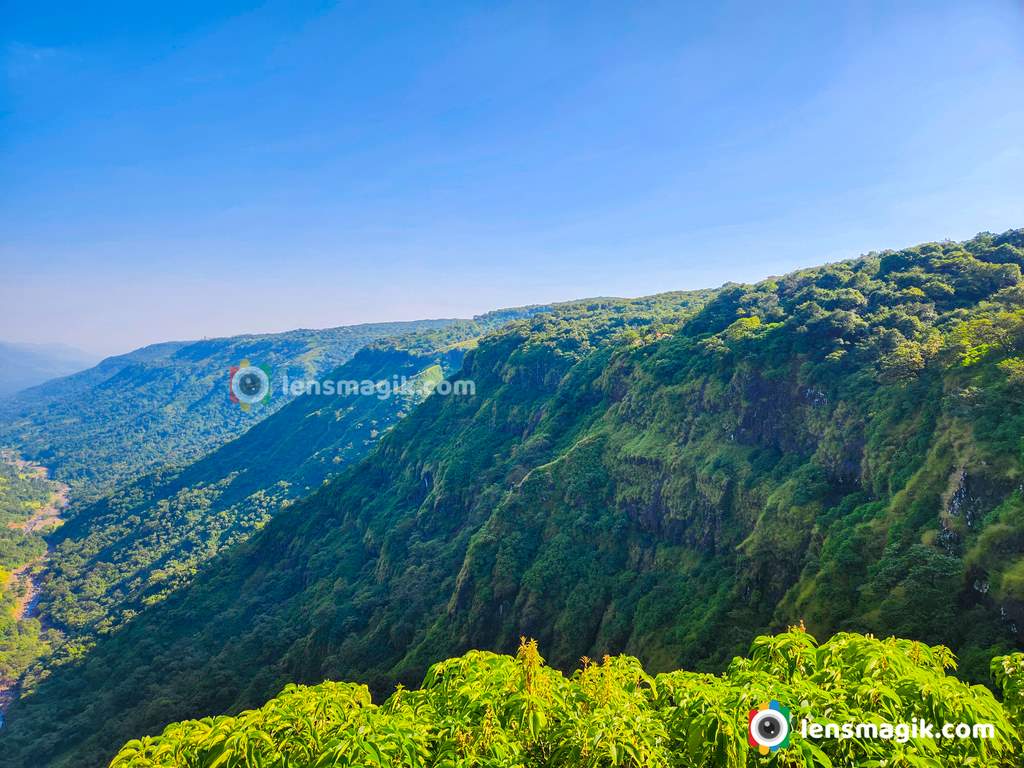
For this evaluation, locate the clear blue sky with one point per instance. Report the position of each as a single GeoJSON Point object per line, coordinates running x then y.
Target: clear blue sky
{"type": "Point", "coordinates": [176, 170]}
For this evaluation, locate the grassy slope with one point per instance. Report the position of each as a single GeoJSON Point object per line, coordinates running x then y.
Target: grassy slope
{"type": "Point", "coordinates": [131, 548]}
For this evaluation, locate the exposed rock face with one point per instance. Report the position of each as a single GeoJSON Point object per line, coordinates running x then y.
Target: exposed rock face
{"type": "Point", "coordinates": [949, 539]}
{"type": "Point", "coordinates": [963, 502]}
{"type": "Point", "coordinates": [772, 412]}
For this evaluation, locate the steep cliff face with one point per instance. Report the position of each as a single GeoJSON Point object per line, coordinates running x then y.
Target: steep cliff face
{"type": "Point", "coordinates": [665, 477]}
{"type": "Point", "coordinates": [673, 529]}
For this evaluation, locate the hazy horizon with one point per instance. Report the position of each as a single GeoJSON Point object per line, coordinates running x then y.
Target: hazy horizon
{"type": "Point", "coordinates": [245, 327]}
{"type": "Point", "coordinates": [256, 168]}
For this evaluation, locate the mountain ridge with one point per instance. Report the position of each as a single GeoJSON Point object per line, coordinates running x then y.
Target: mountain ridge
{"type": "Point", "coordinates": [25, 365]}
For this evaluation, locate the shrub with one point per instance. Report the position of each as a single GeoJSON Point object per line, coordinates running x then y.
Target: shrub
{"type": "Point", "coordinates": [491, 711]}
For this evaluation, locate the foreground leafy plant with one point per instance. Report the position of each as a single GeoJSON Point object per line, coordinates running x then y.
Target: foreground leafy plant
{"type": "Point", "coordinates": [485, 710]}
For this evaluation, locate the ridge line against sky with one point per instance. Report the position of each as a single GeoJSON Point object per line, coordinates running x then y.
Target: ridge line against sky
{"type": "Point", "coordinates": [194, 171]}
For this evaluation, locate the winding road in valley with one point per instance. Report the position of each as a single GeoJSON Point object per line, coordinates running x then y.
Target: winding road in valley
{"type": "Point", "coordinates": [25, 580]}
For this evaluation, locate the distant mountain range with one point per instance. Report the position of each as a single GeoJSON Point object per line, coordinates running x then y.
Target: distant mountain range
{"type": "Point", "coordinates": [26, 365]}
{"type": "Point", "coordinates": [166, 404]}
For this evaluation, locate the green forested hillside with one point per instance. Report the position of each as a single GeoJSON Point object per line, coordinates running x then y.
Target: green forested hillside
{"type": "Point", "coordinates": [595, 324]}
{"type": "Point", "coordinates": [132, 548]}
{"type": "Point", "coordinates": [663, 477]}
{"type": "Point", "coordinates": [165, 404]}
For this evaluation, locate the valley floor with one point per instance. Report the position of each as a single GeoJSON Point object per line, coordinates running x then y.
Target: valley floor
{"type": "Point", "coordinates": [24, 581]}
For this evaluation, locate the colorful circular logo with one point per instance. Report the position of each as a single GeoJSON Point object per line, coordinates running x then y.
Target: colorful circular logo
{"type": "Point", "coordinates": [769, 727]}
{"type": "Point", "coordinates": [249, 384]}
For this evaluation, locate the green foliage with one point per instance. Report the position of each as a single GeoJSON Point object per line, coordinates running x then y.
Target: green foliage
{"type": "Point", "coordinates": [1008, 673]}
{"type": "Point", "coordinates": [483, 709]}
